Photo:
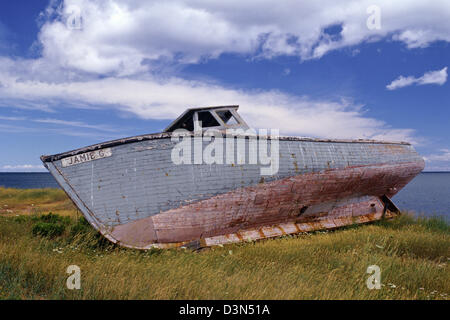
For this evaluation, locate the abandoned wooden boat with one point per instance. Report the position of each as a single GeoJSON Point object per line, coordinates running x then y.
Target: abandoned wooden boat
{"type": "Point", "coordinates": [138, 193]}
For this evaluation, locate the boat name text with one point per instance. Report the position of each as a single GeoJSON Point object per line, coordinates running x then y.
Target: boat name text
{"type": "Point", "coordinates": [87, 156]}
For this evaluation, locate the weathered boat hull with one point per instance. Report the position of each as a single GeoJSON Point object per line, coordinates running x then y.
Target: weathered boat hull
{"type": "Point", "coordinates": [137, 197]}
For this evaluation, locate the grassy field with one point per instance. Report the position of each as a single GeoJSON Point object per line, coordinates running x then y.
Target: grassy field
{"type": "Point", "coordinates": [36, 248]}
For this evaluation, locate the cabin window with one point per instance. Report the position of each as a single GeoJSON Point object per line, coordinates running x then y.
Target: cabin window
{"type": "Point", "coordinates": [227, 117]}
{"type": "Point", "coordinates": [211, 117]}
{"type": "Point", "coordinates": [207, 119]}
{"type": "Point", "coordinates": [187, 124]}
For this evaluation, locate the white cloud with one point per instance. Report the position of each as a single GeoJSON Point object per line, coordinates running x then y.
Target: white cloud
{"type": "Point", "coordinates": [438, 161]}
{"type": "Point", "coordinates": [128, 37]}
{"type": "Point", "coordinates": [62, 127]}
{"type": "Point", "coordinates": [401, 82]}
{"type": "Point", "coordinates": [104, 63]}
{"type": "Point", "coordinates": [152, 98]}
{"type": "Point", "coordinates": [432, 77]}
{"type": "Point", "coordinates": [443, 156]}
{"type": "Point", "coordinates": [59, 122]}
{"type": "Point", "coordinates": [78, 124]}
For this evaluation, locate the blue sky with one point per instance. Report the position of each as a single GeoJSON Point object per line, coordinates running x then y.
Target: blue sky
{"type": "Point", "coordinates": [74, 73]}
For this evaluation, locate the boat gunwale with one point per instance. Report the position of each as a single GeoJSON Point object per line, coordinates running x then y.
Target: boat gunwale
{"type": "Point", "coordinates": [165, 135]}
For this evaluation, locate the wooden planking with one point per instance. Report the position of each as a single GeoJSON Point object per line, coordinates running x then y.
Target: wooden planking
{"type": "Point", "coordinates": [333, 194]}
{"type": "Point", "coordinates": [139, 179]}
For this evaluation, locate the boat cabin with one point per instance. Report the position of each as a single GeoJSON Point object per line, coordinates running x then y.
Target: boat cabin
{"type": "Point", "coordinates": [220, 118]}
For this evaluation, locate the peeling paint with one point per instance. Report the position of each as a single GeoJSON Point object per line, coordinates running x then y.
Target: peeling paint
{"type": "Point", "coordinates": [137, 197]}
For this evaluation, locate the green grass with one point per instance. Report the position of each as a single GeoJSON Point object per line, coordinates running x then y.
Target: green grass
{"type": "Point", "coordinates": [35, 201]}
{"type": "Point", "coordinates": [413, 255]}
{"type": "Point", "coordinates": [11, 195]}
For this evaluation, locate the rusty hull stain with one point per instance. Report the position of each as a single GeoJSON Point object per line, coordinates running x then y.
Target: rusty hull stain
{"type": "Point", "coordinates": [278, 230]}
{"type": "Point", "coordinates": [240, 215]}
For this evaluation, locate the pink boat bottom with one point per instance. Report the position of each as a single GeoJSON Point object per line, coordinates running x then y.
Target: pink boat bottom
{"type": "Point", "coordinates": [314, 201]}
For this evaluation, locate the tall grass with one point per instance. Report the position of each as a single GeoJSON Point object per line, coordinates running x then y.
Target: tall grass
{"type": "Point", "coordinates": [14, 196]}
{"type": "Point", "coordinates": [29, 201]}
{"type": "Point", "coordinates": [36, 248]}
{"type": "Point", "coordinates": [412, 254]}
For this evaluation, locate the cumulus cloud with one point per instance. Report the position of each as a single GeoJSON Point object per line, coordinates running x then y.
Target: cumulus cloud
{"type": "Point", "coordinates": [152, 98]}
{"type": "Point", "coordinates": [128, 36]}
{"type": "Point", "coordinates": [401, 82]}
{"type": "Point", "coordinates": [432, 77]}
{"type": "Point", "coordinates": [104, 54]}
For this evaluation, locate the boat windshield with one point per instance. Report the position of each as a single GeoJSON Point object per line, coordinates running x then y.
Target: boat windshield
{"type": "Point", "coordinates": [210, 117]}
{"type": "Point", "coordinates": [207, 119]}
{"type": "Point", "coordinates": [227, 117]}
